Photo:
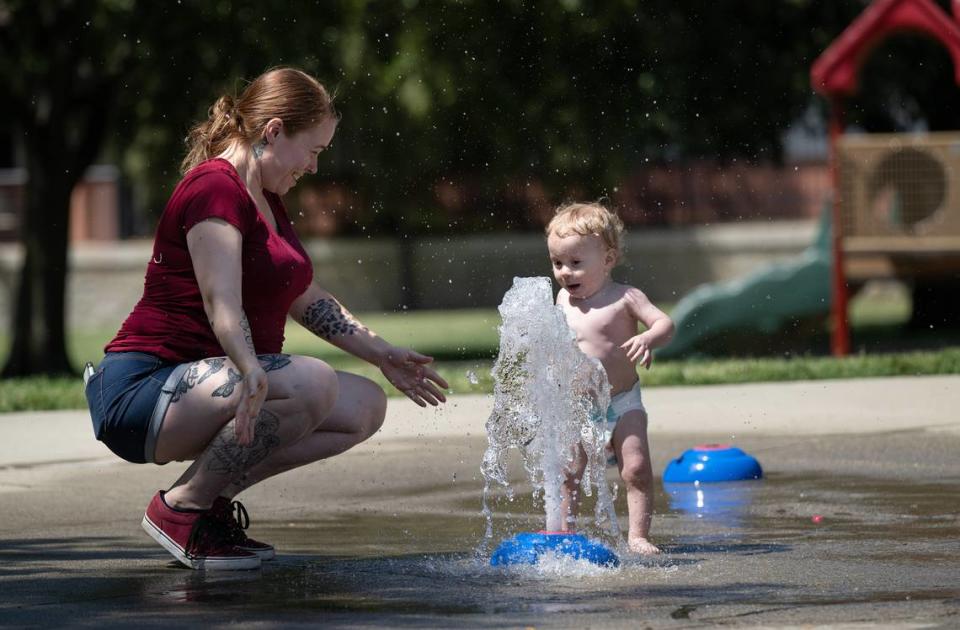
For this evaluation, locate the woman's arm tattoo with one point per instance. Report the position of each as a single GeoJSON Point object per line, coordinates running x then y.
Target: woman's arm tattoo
{"type": "Point", "coordinates": [247, 333]}
{"type": "Point", "coordinates": [327, 319]}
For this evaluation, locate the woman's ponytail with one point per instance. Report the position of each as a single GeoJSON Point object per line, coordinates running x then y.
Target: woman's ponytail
{"type": "Point", "coordinates": [212, 136]}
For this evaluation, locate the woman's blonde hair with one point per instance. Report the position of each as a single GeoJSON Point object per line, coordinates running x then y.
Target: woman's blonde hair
{"type": "Point", "coordinates": [588, 218]}
{"type": "Point", "coordinates": [291, 95]}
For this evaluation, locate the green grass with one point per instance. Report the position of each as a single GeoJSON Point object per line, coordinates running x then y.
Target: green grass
{"type": "Point", "coordinates": [464, 342]}
{"type": "Point", "coordinates": [64, 393]}
{"type": "Point", "coordinates": [460, 341]}
{"type": "Point", "coordinates": [449, 335]}
{"type": "Point", "coordinates": [41, 393]}
{"type": "Point", "coordinates": [700, 372]}
{"type": "Point", "coordinates": [444, 335]}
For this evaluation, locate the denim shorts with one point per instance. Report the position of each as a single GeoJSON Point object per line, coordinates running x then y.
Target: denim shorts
{"type": "Point", "coordinates": [128, 397]}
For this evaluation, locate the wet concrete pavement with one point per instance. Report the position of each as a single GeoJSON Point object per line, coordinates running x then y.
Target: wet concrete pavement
{"type": "Point", "coordinates": [386, 535]}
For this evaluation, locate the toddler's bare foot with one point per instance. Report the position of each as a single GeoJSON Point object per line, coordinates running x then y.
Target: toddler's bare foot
{"type": "Point", "coordinates": [642, 546]}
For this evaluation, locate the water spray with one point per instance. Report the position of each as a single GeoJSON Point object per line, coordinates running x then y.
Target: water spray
{"type": "Point", "coordinates": [547, 398]}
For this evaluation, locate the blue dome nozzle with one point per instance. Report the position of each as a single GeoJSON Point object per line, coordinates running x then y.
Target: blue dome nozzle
{"type": "Point", "coordinates": [712, 462]}
{"type": "Point", "coordinates": [528, 547]}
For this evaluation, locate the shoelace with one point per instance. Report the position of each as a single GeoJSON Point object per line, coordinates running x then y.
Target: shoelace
{"type": "Point", "coordinates": [235, 519]}
{"type": "Point", "coordinates": [238, 514]}
{"type": "Point", "coordinates": [204, 532]}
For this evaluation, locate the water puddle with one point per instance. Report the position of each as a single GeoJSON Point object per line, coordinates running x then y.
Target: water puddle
{"type": "Point", "coordinates": [877, 541]}
{"type": "Point", "coordinates": [882, 548]}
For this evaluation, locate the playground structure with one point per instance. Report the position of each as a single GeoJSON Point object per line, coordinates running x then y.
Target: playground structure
{"type": "Point", "coordinates": [757, 305]}
{"type": "Point", "coordinates": [896, 208]}
{"type": "Point", "coordinates": [894, 211]}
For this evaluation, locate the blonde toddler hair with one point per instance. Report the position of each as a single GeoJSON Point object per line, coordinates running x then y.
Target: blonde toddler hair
{"type": "Point", "coordinates": [588, 218]}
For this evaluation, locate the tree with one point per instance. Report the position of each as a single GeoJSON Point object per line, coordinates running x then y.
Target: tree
{"type": "Point", "coordinates": [60, 98]}
{"type": "Point", "coordinates": [573, 94]}
{"type": "Point", "coordinates": [83, 74]}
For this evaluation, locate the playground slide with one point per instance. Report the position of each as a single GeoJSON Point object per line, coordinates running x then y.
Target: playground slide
{"type": "Point", "coordinates": [764, 302]}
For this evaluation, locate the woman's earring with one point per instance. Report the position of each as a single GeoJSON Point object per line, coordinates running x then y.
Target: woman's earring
{"type": "Point", "coordinates": [258, 149]}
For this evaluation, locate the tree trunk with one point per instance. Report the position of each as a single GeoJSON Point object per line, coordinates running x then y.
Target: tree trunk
{"type": "Point", "coordinates": [39, 340]}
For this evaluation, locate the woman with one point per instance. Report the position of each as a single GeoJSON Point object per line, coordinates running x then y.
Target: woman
{"type": "Point", "coordinates": [196, 371]}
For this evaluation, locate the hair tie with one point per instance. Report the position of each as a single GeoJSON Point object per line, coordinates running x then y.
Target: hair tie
{"type": "Point", "coordinates": [236, 117]}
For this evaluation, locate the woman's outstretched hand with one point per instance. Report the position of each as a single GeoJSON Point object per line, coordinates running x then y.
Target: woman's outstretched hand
{"type": "Point", "coordinates": [253, 391]}
{"type": "Point", "coordinates": [410, 372]}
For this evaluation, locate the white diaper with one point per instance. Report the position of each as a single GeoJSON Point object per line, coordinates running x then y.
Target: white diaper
{"type": "Point", "coordinates": [630, 400]}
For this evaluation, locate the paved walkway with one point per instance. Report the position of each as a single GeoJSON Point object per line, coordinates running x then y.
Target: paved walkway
{"type": "Point", "coordinates": [381, 536]}
{"type": "Point", "coordinates": [795, 408]}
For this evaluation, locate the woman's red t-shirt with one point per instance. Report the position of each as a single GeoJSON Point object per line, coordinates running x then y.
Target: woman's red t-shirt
{"type": "Point", "coordinates": [169, 320]}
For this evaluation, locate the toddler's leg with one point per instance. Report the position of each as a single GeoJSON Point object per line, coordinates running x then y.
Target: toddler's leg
{"type": "Point", "coordinates": [633, 460]}
{"type": "Point", "coordinates": [570, 491]}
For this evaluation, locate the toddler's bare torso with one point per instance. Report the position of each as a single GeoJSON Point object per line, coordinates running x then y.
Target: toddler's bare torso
{"type": "Point", "coordinates": [602, 323]}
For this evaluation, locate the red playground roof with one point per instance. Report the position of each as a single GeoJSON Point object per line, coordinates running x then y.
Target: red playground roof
{"type": "Point", "coordinates": [835, 71]}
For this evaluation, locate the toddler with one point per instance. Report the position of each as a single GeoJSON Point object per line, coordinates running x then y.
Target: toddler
{"type": "Point", "coordinates": [584, 244]}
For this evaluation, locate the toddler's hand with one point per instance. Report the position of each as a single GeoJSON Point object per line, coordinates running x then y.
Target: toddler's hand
{"type": "Point", "coordinates": [638, 351]}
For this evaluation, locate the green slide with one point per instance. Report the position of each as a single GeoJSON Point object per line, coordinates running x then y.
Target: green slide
{"type": "Point", "coordinates": [762, 303]}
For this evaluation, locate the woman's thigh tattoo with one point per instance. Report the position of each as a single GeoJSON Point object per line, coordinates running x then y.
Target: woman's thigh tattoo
{"type": "Point", "coordinates": [271, 362]}
{"type": "Point", "coordinates": [202, 370]}
{"type": "Point", "coordinates": [226, 390]}
{"type": "Point", "coordinates": [197, 373]}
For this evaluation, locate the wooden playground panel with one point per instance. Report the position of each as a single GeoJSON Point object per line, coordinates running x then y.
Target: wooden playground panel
{"type": "Point", "coordinates": [899, 205]}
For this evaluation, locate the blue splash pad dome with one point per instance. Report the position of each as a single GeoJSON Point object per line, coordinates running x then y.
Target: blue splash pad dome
{"type": "Point", "coordinates": [527, 547]}
{"type": "Point", "coordinates": [712, 462]}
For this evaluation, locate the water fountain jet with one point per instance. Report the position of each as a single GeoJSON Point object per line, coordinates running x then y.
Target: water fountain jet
{"type": "Point", "coordinates": [546, 393]}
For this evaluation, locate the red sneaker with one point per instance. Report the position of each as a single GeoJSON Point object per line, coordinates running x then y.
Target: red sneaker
{"type": "Point", "coordinates": [194, 538]}
{"type": "Point", "coordinates": [232, 517]}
